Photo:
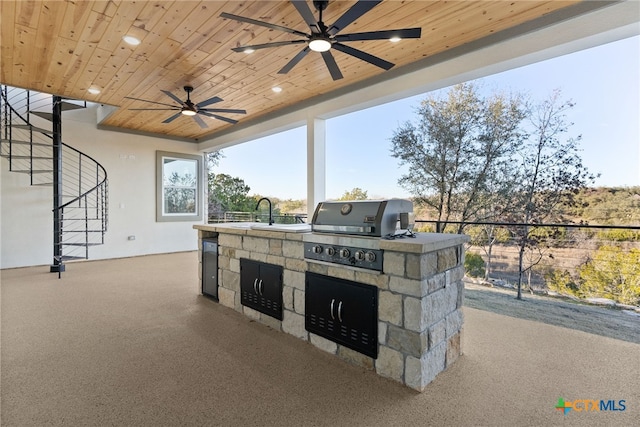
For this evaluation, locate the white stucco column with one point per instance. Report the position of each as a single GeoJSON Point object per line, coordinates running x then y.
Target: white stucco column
{"type": "Point", "coordinates": [316, 165]}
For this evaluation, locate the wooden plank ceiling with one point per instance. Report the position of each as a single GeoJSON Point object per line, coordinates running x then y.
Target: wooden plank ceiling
{"type": "Point", "coordinates": [66, 47]}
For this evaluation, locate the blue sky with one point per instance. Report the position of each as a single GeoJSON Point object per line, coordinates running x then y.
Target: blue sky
{"type": "Point", "coordinates": [602, 81]}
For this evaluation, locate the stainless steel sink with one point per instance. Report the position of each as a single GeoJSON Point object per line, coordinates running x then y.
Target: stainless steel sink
{"type": "Point", "coordinates": [244, 225]}
{"type": "Point", "coordinates": [287, 228]}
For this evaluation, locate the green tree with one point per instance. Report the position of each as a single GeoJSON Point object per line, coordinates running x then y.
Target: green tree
{"type": "Point", "coordinates": [550, 174]}
{"type": "Point", "coordinates": [227, 193]}
{"type": "Point", "coordinates": [355, 194]}
{"type": "Point", "coordinates": [293, 206]}
{"type": "Point", "coordinates": [612, 273]}
{"type": "Point", "coordinates": [460, 153]}
{"type": "Point", "coordinates": [486, 236]}
{"type": "Point", "coordinates": [474, 265]}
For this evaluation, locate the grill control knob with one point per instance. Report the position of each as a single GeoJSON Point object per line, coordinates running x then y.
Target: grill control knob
{"type": "Point", "coordinates": [317, 249]}
{"type": "Point", "coordinates": [359, 255]}
{"type": "Point", "coordinates": [344, 253]}
{"type": "Point", "coordinates": [330, 251]}
{"type": "Point", "coordinates": [370, 256]}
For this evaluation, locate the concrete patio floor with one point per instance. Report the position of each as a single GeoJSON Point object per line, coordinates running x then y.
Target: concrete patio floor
{"type": "Point", "coordinates": [131, 342]}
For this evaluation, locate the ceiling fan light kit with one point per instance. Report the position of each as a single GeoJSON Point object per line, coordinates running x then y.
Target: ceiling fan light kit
{"type": "Point", "coordinates": [323, 38]}
{"type": "Point", "coordinates": [320, 44]}
{"type": "Point", "coordinates": [188, 108]}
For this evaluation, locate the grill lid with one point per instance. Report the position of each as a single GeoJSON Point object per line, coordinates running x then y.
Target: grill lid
{"type": "Point", "coordinates": [360, 217]}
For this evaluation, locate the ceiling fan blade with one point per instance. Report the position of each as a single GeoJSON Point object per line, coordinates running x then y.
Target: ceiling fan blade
{"type": "Point", "coordinates": [331, 65]}
{"type": "Point", "coordinates": [154, 109]}
{"type": "Point", "coordinates": [266, 45]}
{"type": "Point", "coordinates": [261, 23]}
{"type": "Point", "coordinates": [172, 118]}
{"type": "Point", "coordinates": [200, 122]}
{"type": "Point", "coordinates": [146, 100]}
{"type": "Point", "coordinates": [172, 96]}
{"type": "Point", "coordinates": [215, 116]}
{"type": "Point", "coordinates": [378, 62]}
{"type": "Point", "coordinates": [223, 110]}
{"type": "Point", "coordinates": [407, 33]}
{"type": "Point", "coordinates": [356, 11]}
{"type": "Point", "coordinates": [209, 102]}
{"type": "Point", "coordinates": [294, 61]}
{"type": "Point", "coordinates": [307, 15]}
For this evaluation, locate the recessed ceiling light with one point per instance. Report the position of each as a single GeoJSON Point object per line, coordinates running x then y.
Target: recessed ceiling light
{"type": "Point", "coordinates": [133, 41]}
{"type": "Point", "coordinates": [395, 39]}
{"type": "Point", "coordinates": [248, 51]}
{"type": "Point", "coordinates": [93, 90]}
{"type": "Point", "coordinates": [276, 89]}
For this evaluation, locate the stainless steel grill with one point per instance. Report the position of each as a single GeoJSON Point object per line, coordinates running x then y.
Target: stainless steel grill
{"type": "Point", "coordinates": [349, 233]}
{"type": "Point", "coordinates": [374, 218]}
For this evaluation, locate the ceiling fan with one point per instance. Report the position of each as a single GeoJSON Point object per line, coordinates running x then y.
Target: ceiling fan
{"type": "Point", "coordinates": [323, 38]}
{"type": "Point", "coordinates": [188, 108]}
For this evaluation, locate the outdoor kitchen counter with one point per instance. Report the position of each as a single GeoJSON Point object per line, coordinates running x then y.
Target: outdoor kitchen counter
{"type": "Point", "coordinates": [419, 296]}
{"type": "Point", "coordinates": [244, 228]}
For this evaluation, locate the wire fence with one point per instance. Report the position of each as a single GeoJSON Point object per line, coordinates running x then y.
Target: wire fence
{"type": "Point", "coordinates": [555, 254]}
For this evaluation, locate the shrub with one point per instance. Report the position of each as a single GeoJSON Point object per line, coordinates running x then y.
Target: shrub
{"type": "Point", "coordinates": [474, 265]}
{"type": "Point", "coordinates": [612, 273]}
{"type": "Point", "coordinates": [424, 228]}
{"type": "Point", "coordinates": [619, 235]}
{"type": "Point", "coordinates": [560, 281]}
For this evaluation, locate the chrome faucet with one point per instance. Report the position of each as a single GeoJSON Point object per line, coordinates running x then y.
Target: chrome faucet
{"type": "Point", "coordinates": [270, 211]}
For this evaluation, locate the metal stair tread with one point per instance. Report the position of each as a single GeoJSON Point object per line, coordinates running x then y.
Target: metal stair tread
{"type": "Point", "coordinates": [70, 106]}
{"type": "Point", "coordinates": [32, 127]}
{"type": "Point", "coordinates": [71, 258]}
{"type": "Point", "coordinates": [66, 106]}
{"type": "Point", "coordinates": [43, 114]}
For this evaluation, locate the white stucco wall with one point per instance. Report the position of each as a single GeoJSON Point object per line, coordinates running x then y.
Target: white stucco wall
{"type": "Point", "coordinates": [26, 222]}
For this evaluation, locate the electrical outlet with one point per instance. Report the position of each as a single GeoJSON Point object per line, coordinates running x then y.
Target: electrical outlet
{"type": "Point", "coordinates": [131, 238]}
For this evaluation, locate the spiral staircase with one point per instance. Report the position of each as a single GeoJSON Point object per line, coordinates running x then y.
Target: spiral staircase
{"type": "Point", "coordinates": [30, 140]}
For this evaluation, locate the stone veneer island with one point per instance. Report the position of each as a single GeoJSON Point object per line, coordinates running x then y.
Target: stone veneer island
{"type": "Point", "coordinates": [420, 294]}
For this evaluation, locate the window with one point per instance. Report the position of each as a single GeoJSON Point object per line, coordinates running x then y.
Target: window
{"type": "Point", "coordinates": [179, 187]}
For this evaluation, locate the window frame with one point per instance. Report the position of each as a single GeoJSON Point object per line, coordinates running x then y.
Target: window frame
{"type": "Point", "coordinates": [161, 215]}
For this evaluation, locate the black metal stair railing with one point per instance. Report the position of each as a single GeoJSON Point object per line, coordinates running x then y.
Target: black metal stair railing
{"type": "Point", "coordinates": [26, 141]}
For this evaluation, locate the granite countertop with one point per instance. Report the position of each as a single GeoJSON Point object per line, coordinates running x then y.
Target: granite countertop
{"type": "Point", "coordinates": [421, 243]}
{"type": "Point", "coordinates": [258, 229]}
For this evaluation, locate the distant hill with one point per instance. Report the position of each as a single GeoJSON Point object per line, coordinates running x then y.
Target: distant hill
{"type": "Point", "coordinates": [607, 206]}
{"type": "Point", "coordinates": [594, 206]}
